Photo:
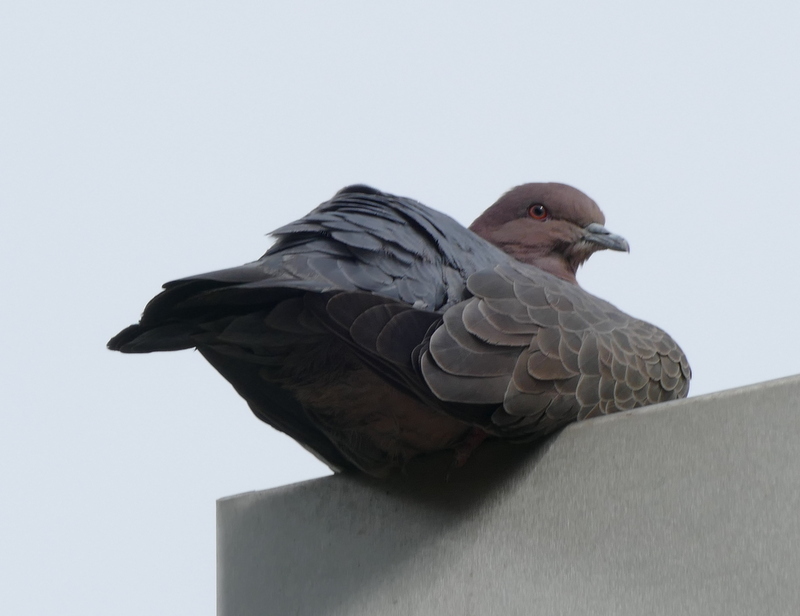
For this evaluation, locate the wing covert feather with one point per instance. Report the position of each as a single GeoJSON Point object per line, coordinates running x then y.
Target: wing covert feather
{"type": "Point", "coordinates": [574, 355]}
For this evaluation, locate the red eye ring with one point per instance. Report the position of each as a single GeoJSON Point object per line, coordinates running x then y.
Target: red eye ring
{"type": "Point", "coordinates": [538, 212]}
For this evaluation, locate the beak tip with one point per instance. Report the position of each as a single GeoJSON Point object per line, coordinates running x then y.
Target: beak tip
{"type": "Point", "coordinates": [601, 236]}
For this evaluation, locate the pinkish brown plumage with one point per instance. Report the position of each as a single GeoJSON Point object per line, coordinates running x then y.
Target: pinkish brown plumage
{"type": "Point", "coordinates": [560, 242]}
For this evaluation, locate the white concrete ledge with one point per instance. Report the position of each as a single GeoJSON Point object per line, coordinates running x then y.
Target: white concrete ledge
{"type": "Point", "coordinates": [692, 507]}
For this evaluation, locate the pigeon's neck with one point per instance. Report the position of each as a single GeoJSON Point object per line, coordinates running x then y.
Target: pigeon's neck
{"type": "Point", "coordinates": [549, 250]}
{"type": "Point", "coordinates": [554, 264]}
{"type": "Point", "coordinates": [551, 261]}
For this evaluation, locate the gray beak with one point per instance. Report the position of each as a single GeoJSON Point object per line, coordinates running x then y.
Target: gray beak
{"type": "Point", "coordinates": [598, 234]}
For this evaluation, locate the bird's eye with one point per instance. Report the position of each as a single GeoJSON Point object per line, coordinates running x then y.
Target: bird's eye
{"type": "Point", "coordinates": [537, 211]}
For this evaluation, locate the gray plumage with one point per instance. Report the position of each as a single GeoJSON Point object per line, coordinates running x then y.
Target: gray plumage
{"type": "Point", "coordinates": [376, 329]}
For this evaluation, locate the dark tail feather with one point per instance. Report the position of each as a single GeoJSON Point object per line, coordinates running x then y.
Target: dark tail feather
{"type": "Point", "coordinates": [139, 339]}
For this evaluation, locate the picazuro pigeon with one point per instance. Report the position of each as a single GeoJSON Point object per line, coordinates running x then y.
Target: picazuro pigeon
{"type": "Point", "coordinates": [376, 329]}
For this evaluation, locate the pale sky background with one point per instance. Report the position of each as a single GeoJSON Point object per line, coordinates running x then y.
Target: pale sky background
{"type": "Point", "coordinates": [141, 142]}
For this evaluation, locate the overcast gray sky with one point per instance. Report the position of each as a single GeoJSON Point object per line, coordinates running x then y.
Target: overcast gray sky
{"type": "Point", "coordinates": [141, 142]}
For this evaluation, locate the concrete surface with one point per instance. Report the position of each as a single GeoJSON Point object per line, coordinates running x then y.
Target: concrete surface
{"type": "Point", "coordinates": [691, 507]}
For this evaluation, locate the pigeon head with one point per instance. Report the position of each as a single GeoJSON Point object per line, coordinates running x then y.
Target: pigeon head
{"type": "Point", "coordinates": [552, 226]}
